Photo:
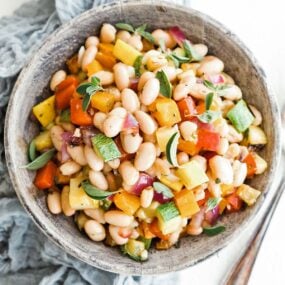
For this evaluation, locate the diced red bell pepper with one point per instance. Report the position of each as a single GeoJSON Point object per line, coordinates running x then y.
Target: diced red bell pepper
{"type": "Point", "coordinates": [208, 140]}
{"type": "Point", "coordinates": [251, 165]}
{"type": "Point", "coordinates": [77, 115]}
{"type": "Point", "coordinates": [187, 108]}
{"type": "Point", "coordinates": [234, 201]}
{"type": "Point", "coordinates": [209, 154]}
{"type": "Point", "coordinates": [70, 80]}
{"type": "Point", "coordinates": [63, 97]}
{"type": "Point", "coordinates": [45, 176]}
{"type": "Point", "coordinates": [187, 146]}
{"type": "Point", "coordinates": [202, 125]}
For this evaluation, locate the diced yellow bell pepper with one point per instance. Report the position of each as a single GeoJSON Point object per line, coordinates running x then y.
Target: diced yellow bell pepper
{"type": "Point", "coordinates": [222, 205]}
{"type": "Point", "coordinates": [125, 52]}
{"type": "Point", "coordinates": [163, 135]}
{"type": "Point", "coordinates": [127, 202]}
{"type": "Point", "coordinates": [192, 174]}
{"type": "Point", "coordinates": [248, 194]}
{"type": "Point", "coordinates": [186, 203]}
{"type": "Point", "coordinates": [103, 101]}
{"type": "Point", "coordinates": [78, 199]}
{"type": "Point", "coordinates": [167, 112]}
{"type": "Point", "coordinates": [175, 185]}
{"type": "Point", "coordinates": [106, 48]}
{"type": "Point", "coordinates": [45, 111]}
{"type": "Point", "coordinates": [43, 141]}
{"type": "Point", "coordinates": [227, 189]}
{"type": "Point", "coordinates": [93, 67]}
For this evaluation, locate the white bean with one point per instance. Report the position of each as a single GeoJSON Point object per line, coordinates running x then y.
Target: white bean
{"type": "Point", "coordinates": [121, 75]}
{"type": "Point", "coordinates": [144, 78]}
{"type": "Point", "coordinates": [213, 187]}
{"type": "Point", "coordinates": [150, 91]}
{"type": "Point", "coordinates": [88, 57]}
{"type": "Point", "coordinates": [119, 111]}
{"type": "Point", "coordinates": [99, 119]}
{"type": "Point", "coordinates": [94, 161]}
{"type": "Point", "coordinates": [201, 160]}
{"type": "Point", "coordinates": [123, 35]}
{"type": "Point", "coordinates": [57, 78]}
{"type": "Point", "coordinates": [170, 71]}
{"type": "Point", "coordinates": [161, 167]}
{"type": "Point", "coordinates": [53, 202]}
{"type": "Point", "coordinates": [129, 173]}
{"type": "Point", "coordinates": [231, 93]}
{"type": "Point", "coordinates": [136, 42]}
{"type": "Point", "coordinates": [77, 154]}
{"type": "Point", "coordinates": [223, 146]}
{"type": "Point", "coordinates": [233, 151]}
{"type": "Point", "coordinates": [181, 91]}
{"type": "Point", "coordinates": [112, 126]}
{"type": "Point", "coordinates": [199, 91]}
{"type": "Point", "coordinates": [131, 142]}
{"type": "Point", "coordinates": [80, 56]}
{"type": "Point", "coordinates": [233, 135]}
{"type": "Point", "coordinates": [115, 163]}
{"type": "Point", "coordinates": [130, 100]}
{"type": "Point", "coordinates": [221, 168]}
{"type": "Point", "coordinates": [107, 33]}
{"type": "Point", "coordinates": [182, 157]}
{"type": "Point", "coordinates": [261, 164]}
{"type": "Point", "coordinates": [210, 65]}
{"type": "Point", "coordinates": [98, 179]}
{"type": "Point", "coordinates": [201, 49]}
{"type": "Point", "coordinates": [56, 137]}
{"type": "Point", "coordinates": [69, 168]}
{"type": "Point", "coordinates": [145, 156]}
{"type": "Point", "coordinates": [96, 214]}
{"type": "Point", "coordinates": [66, 208]}
{"type": "Point", "coordinates": [114, 233]}
{"type": "Point", "coordinates": [91, 41]}
{"type": "Point", "coordinates": [187, 130]}
{"type": "Point", "coordinates": [146, 197]}
{"type": "Point", "coordinates": [146, 122]}
{"type": "Point", "coordinates": [240, 172]}
{"type": "Point", "coordinates": [161, 35]}
{"type": "Point", "coordinates": [194, 227]}
{"type": "Point", "coordinates": [95, 230]}
{"type": "Point", "coordinates": [221, 126]}
{"type": "Point", "coordinates": [118, 218]}
{"type": "Point", "coordinates": [115, 91]}
{"type": "Point", "coordinates": [106, 77]}
{"type": "Point", "coordinates": [257, 116]}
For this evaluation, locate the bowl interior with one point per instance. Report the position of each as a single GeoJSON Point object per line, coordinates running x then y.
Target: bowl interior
{"type": "Point", "coordinates": [32, 86]}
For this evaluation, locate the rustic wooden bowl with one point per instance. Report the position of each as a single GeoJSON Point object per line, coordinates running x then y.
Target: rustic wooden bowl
{"type": "Point", "coordinates": [32, 86]}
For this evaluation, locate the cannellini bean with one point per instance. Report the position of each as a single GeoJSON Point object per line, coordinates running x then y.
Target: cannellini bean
{"type": "Point", "coordinates": [115, 163]}
{"type": "Point", "coordinates": [77, 154]}
{"type": "Point", "coordinates": [146, 122]}
{"type": "Point", "coordinates": [96, 214]}
{"type": "Point", "coordinates": [123, 35]}
{"type": "Point", "coordinates": [201, 160]}
{"type": "Point", "coordinates": [129, 173]}
{"type": "Point", "coordinates": [91, 41]}
{"type": "Point", "coordinates": [98, 179]}
{"type": "Point", "coordinates": [53, 202]}
{"type": "Point", "coordinates": [199, 91]}
{"type": "Point", "coordinates": [161, 35]}
{"type": "Point", "coordinates": [187, 129]}
{"type": "Point", "coordinates": [144, 78]}
{"type": "Point", "coordinates": [115, 234]}
{"type": "Point", "coordinates": [162, 167]}
{"type": "Point", "coordinates": [150, 91]}
{"type": "Point", "coordinates": [130, 100]}
{"type": "Point", "coordinates": [170, 71]}
{"type": "Point", "coordinates": [223, 146]}
{"type": "Point", "coordinates": [107, 33]}
{"type": "Point", "coordinates": [231, 93]}
{"type": "Point", "coordinates": [261, 164]}
{"type": "Point", "coordinates": [95, 230]}
{"type": "Point", "coordinates": [145, 156]}
{"type": "Point", "coordinates": [194, 227]}
{"type": "Point", "coordinates": [68, 127]}
{"type": "Point", "coordinates": [257, 116]}
{"type": "Point", "coordinates": [118, 218]}
{"type": "Point", "coordinates": [80, 56]}
{"type": "Point", "coordinates": [182, 157]}
{"type": "Point", "coordinates": [119, 111]}
{"type": "Point", "coordinates": [56, 137]}
{"type": "Point", "coordinates": [131, 71]}
{"type": "Point", "coordinates": [213, 187]}
{"type": "Point", "coordinates": [201, 49]}
{"type": "Point", "coordinates": [88, 57]}
{"type": "Point", "coordinates": [221, 126]}
{"type": "Point", "coordinates": [112, 126]}
{"type": "Point", "coordinates": [233, 135]}
{"type": "Point", "coordinates": [155, 62]}
{"type": "Point", "coordinates": [243, 153]}
{"type": "Point", "coordinates": [66, 208]}
{"type": "Point", "coordinates": [69, 168]}
{"type": "Point", "coordinates": [121, 75]}
{"type": "Point", "coordinates": [158, 150]}
{"type": "Point", "coordinates": [131, 142]}
{"type": "Point", "coordinates": [210, 65]}
{"type": "Point", "coordinates": [57, 78]}
{"type": "Point", "coordinates": [136, 42]}
{"type": "Point", "coordinates": [227, 79]}
{"type": "Point", "coordinates": [135, 234]}
{"type": "Point", "coordinates": [99, 119]}
{"type": "Point", "coordinates": [181, 91]}
{"type": "Point", "coordinates": [185, 76]}
{"type": "Point", "coordinates": [221, 168]}
{"type": "Point", "coordinates": [226, 106]}
{"type": "Point", "coordinates": [106, 77]}
{"type": "Point", "coordinates": [146, 197]}
{"type": "Point", "coordinates": [240, 172]}
{"type": "Point", "coordinates": [233, 151]}
{"type": "Point", "coordinates": [115, 91]}
{"type": "Point", "coordinates": [94, 161]}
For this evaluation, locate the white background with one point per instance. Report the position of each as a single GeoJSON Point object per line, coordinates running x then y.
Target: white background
{"type": "Point", "coordinates": [260, 24]}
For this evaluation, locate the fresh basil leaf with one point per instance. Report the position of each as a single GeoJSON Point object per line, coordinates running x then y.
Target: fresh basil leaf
{"type": "Point", "coordinates": [181, 59]}
{"type": "Point", "coordinates": [41, 160]}
{"type": "Point", "coordinates": [32, 151]}
{"type": "Point", "coordinates": [141, 28]}
{"type": "Point", "coordinates": [209, 116]}
{"type": "Point", "coordinates": [165, 85]}
{"type": "Point", "coordinates": [212, 203]}
{"type": "Point", "coordinates": [86, 102]}
{"type": "Point", "coordinates": [175, 61]}
{"type": "Point", "coordinates": [223, 87]}
{"type": "Point", "coordinates": [82, 88]}
{"type": "Point", "coordinates": [95, 193]}
{"type": "Point", "coordinates": [209, 100]}
{"type": "Point", "coordinates": [65, 116]}
{"type": "Point", "coordinates": [95, 80]}
{"type": "Point", "coordinates": [190, 51]}
{"type": "Point", "coordinates": [209, 85]}
{"type": "Point", "coordinates": [164, 190]}
{"type": "Point", "coordinates": [148, 36]}
{"type": "Point", "coordinates": [137, 65]}
{"type": "Point", "coordinates": [212, 231]}
{"type": "Point", "coordinates": [126, 27]}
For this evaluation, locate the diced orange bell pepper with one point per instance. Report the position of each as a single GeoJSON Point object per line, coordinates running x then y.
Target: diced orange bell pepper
{"type": "Point", "coordinates": [103, 101]}
{"type": "Point", "coordinates": [45, 176]}
{"type": "Point", "coordinates": [63, 97]}
{"type": "Point", "coordinates": [60, 178]}
{"type": "Point", "coordinates": [106, 60]}
{"type": "Point", "coordinates": [93, 67]}
{"type": "Point", "coordinates": [187, 146]}
{"type": "Point", "coordinates": [251, 164]}
{"type": "Point", "coordinates": [201, 108]}
{"type": "Point", "coordinates": [187, 108]}
{"type": "Point", "coordinates": [208, 140]}
{"type": "Point", "coordinates": [222, 205]}
{"type": "Point", "coordinates": [77, 115]}
{"type": "Point", "coordinates": [186, 203]}
{"type": "Point", "coordinates": [234, 201]}
{"type": "Point", "coordinates": [70, 80]}
{"type": "Point", "coordinates": [146, 230]}
{"type": "Point", "coordinates": [106, 48]}
{"type": "Point", "coordinates": [127, 202]}
{"type": "Point", "coordinates": [154, 228]}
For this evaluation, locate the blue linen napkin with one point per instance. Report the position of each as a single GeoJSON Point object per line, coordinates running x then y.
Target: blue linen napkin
{"type": "Point", "coordinates": [26, 256]}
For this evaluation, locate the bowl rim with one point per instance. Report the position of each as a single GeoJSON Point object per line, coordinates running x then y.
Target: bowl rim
{"type": "Point", "coordinates": [58, 240]}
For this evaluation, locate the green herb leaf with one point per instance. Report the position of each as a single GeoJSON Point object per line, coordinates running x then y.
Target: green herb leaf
{"type": "Point", "coordinates": [165, 85]}
{"type": "Point", "coordinates": [162, 46]}
{"type": "Point", "coordinates": [181, 59]}
{"type": "Point", "coordinates": [164, 190]}
{"type": "Point", "coordinates": [190, 51]}
{"type": "Point", "coordinates": [95, 81]}
{"type": "Point", "coordinates": [212, 231]}
{"type": "Point", "coordinates": [212, 203]}
{"type": "Point", "coordinates": [223, 87]}
{"type": "Point", "coordinates": [209, 100]}
{"type": "Point", "coordinates": [41, 160]}
{"type": "Point", "coordinates": [126, 27]}
{"type": "Point", "coordinates": [137, 65]}
{"type": "Point", "coordinates": [209, 116]}
{"type": "Point", "coordinates": [32, 151]}
{"type": "Point", "coordinates": [175, 61]}
{"type": "Point", "coordinates": [209, 85]}
{"type": "Point", "coordinates": [141, 31]}
{"type": "Point", "coordinates": [105, 204]}
{"type": "Point", "coordinates": [141, 28]}
{"type": "Point", "coordinates": [82, 88]}
{"type": "Point", "coordinates": [65, 116]}
{"type": "Point", "coordinates": [86, 102]}
{"type": "Point", "coordinates": [95, 193]}
{"type": "Point", "coordinates": [171, 149]}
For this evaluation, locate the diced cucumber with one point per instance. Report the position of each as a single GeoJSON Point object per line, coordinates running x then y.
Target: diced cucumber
{"type": "Point", "coordinates": [167, 211]}
{"type": "Point", "coordinates": [256, 136]}
{"type": "Point", "coordinates": [240, 116]}
{"type": "Point", "coordinates": [170, 226]}
{"type": "Point", "coordinates": [171, 149]}
{"type": "Point", "coordinates": [146, 241]}
{"type": "Point", "coordinates": [105, 147]}
{"type": "Point", "coordinates": [134, 249]}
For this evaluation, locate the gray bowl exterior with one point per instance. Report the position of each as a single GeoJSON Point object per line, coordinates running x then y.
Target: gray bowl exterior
{"type": "Point", "coordinates": [32, 86]}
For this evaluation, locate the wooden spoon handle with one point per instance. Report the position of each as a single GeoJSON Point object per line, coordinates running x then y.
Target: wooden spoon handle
{"type": "Point", "coordinates": [242, 269]}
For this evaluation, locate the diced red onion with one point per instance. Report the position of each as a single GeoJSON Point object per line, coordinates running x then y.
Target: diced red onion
{"type": "Point", "coordinates": [160, 198]}
{"type": "Point", "coordinates": [88, 133]}
{"type": "Point", "coordinates": [131, 125]}
{"type": "Point", "coordinates": [64, 154]}
{"type": "Point", "coordinates": [212, 216]}
{"type": "Point", "coordinates": [177, 34]}
{"type": "Point", "coordinates": [144, 181]}
{"type": "Point", "coordinates": [66, 136]}
{"type": "Point", "coordinates": [134, 84]}
{"type": "Point", "coordinates": [215, 78]}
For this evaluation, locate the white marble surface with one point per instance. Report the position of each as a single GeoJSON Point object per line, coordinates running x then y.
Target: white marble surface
{"type": "Point", "coordinates": [260, 24]}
